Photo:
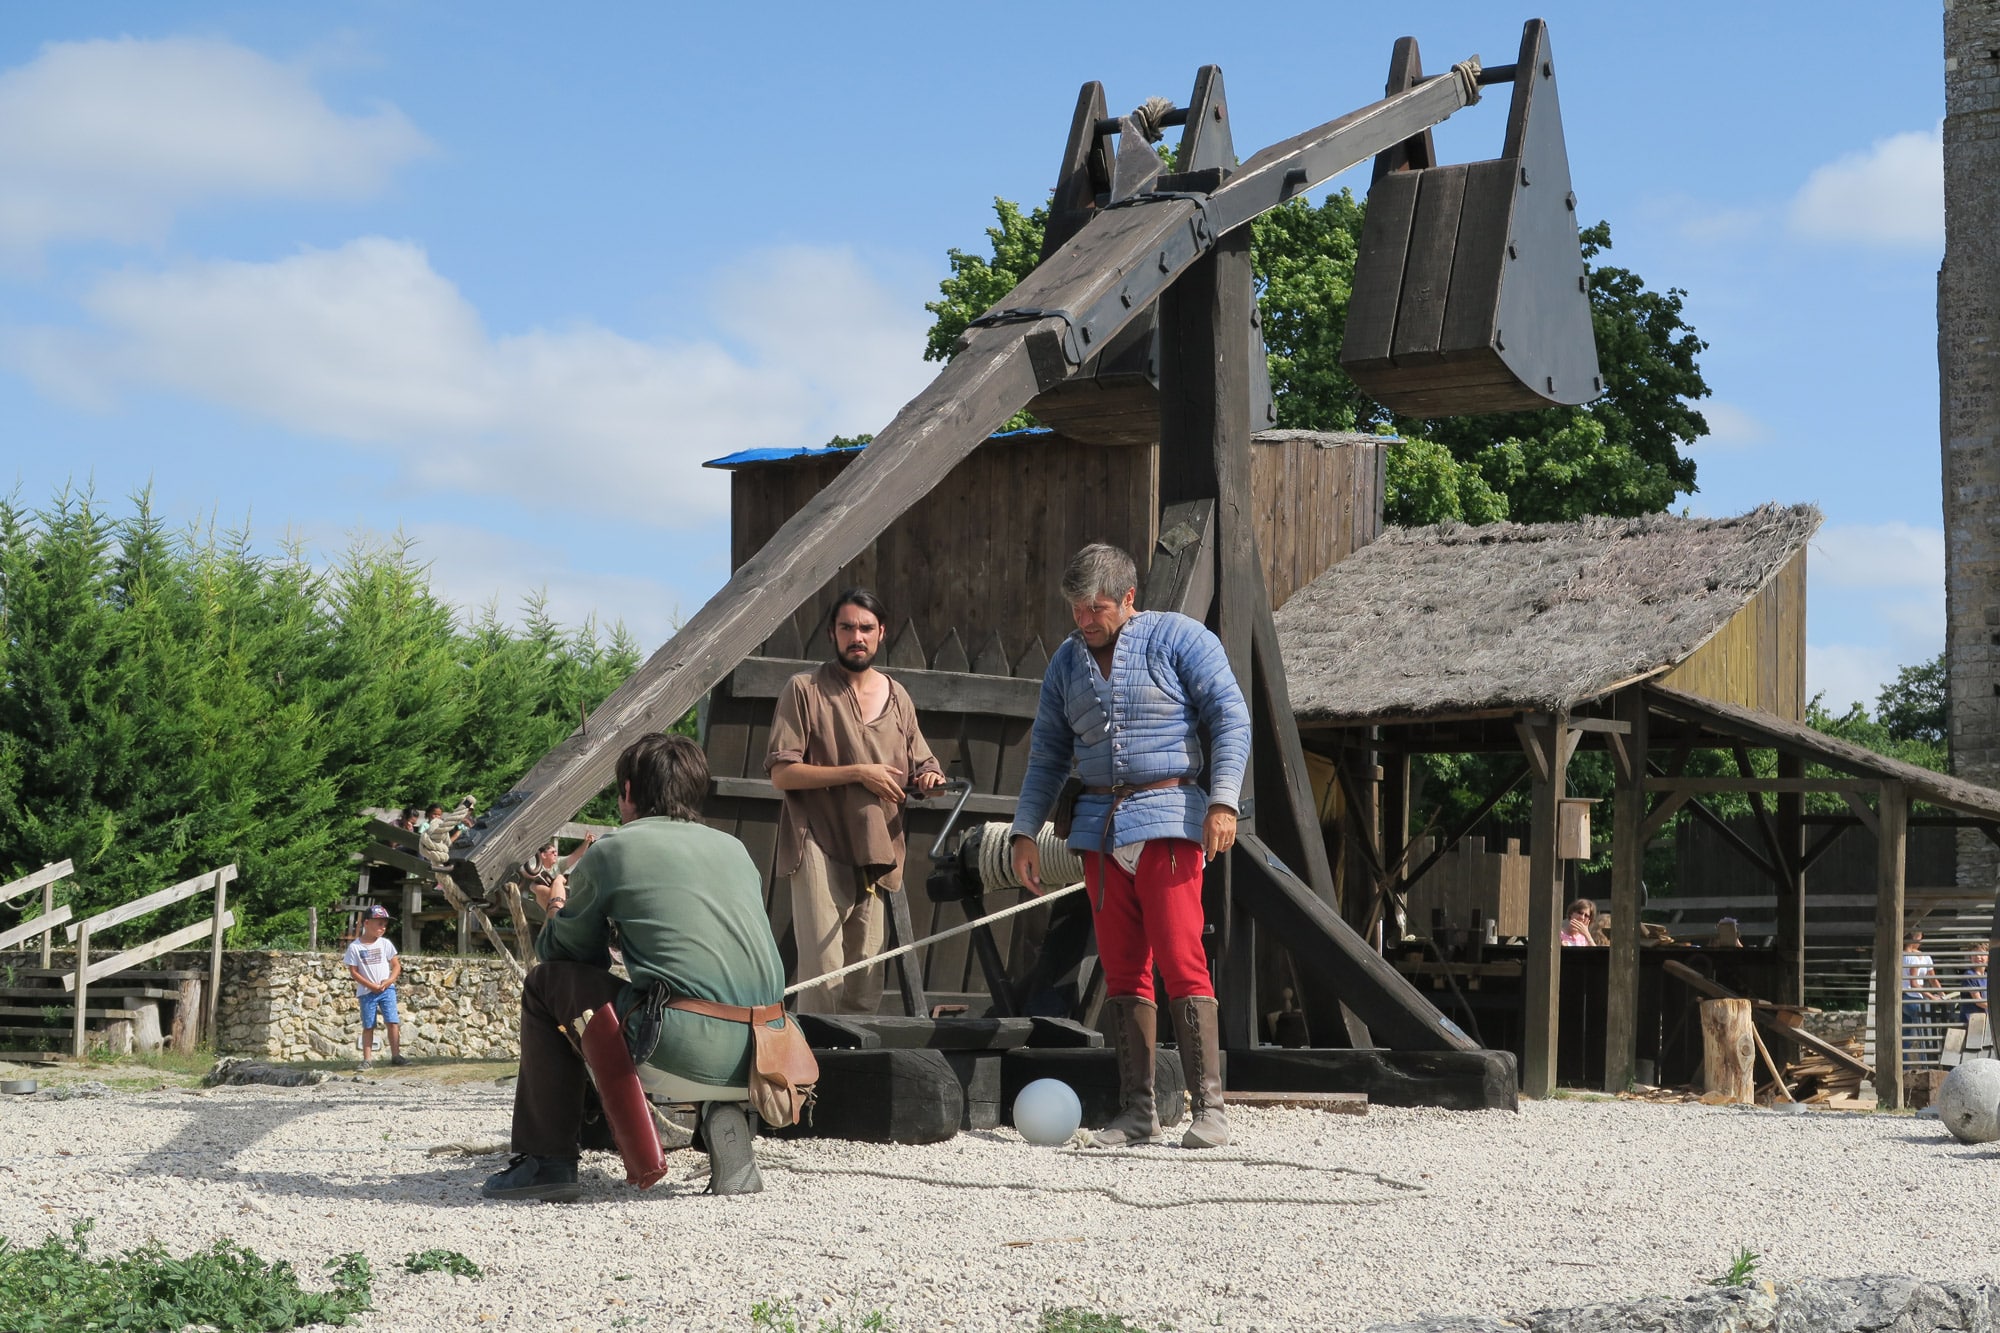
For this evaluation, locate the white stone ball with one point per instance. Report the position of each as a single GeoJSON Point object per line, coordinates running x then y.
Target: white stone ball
{"type": "Point", "coordinates": [1968, 1101]}
{"type": "Point", "coordinates": [1047, 1112]}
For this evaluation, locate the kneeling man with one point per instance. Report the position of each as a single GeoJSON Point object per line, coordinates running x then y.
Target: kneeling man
{"type": "Point", "coordinates": [685, 905]}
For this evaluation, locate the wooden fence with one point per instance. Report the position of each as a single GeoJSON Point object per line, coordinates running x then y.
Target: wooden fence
{"type": "Point", "coordinates": [220, 919]}
{"type": "Point", "coordinates": [51, 916]}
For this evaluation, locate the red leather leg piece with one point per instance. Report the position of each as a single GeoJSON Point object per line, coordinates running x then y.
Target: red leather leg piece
{"type": "Point", "coordinates": [624, 1099]}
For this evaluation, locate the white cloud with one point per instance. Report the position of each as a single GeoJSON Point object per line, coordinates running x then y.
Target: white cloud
{"type": "Point", "coordinates": [1730, 427]}
{"type": "Point", "coordinates": [472, 568]}
{"type": "Point", "coordinates": [108, 140]}
{"type": "Point", "coordinates": [368, 343]}
{"type": "Point", "coordinates": [1891, 194]}
{"type": "Point", "coordinates": [1847, 674]}
{"type": "Point", "coordinates": [1879, 555]}
{"type": "Point", "coordinates": [1877, 600]}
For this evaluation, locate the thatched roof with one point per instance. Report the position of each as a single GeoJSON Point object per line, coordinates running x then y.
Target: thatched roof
{"type": "Point", "coordinates": [1457, 620]}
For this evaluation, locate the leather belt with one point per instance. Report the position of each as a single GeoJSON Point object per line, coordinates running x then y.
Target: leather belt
{"type": "Point", "coordinates": [1118, 795]}
{"type": "Point", "coordinates": [734, 1013]}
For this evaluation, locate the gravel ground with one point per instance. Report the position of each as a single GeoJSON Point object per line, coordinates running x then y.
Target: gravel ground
{"type": "Point", "coordinates": [1333, 1221]}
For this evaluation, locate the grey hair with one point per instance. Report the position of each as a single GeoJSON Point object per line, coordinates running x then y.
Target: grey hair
{"type": "Point", "coordinates": [1098, 570]}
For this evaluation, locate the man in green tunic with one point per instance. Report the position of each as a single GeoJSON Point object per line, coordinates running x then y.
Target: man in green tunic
{"type": "Point", "coordinates": [685, 906]}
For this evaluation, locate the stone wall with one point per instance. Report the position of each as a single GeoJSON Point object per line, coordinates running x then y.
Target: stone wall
{"type": "Point", "coordinates": [301, 1006]}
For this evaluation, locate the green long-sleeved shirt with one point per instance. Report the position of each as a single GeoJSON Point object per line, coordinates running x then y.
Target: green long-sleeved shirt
{"type": "Point", "coordinates": [686, 904]}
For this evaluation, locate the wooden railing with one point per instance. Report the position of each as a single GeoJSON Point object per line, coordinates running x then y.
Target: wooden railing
{"type": "Point", "coordinates": [216, 881]}
{"type": "Point", "coordinates": [51, 915]}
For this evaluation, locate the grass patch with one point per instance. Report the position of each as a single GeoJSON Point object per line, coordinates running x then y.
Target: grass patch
{"type": "Point", "coordinates": [1074, 1319]}
{"type": "Point", "coordinates": [57, 1286]}
{"type": "Point", "coordinates": [783, 1317]}
{"type": "Point", "coordinates": [1740, 1270]}
{"type": "Point", "coordinates": [441, 1261]}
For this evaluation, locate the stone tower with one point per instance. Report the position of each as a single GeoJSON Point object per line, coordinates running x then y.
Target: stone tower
{"type": "Point", "coordinates": [1969, 403]}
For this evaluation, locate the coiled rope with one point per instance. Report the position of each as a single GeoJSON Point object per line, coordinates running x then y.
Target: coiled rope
{"type": "Point", "coordinates": [995, 863]}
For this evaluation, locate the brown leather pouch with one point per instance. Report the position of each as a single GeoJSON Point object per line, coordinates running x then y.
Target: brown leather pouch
{"type": "Point", "coordinates": [1064, 815]}
{"type": "Point", "coordinates": [783, 1072]}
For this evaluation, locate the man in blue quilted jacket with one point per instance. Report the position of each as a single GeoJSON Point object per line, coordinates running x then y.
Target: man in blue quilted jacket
{"type": "Point", "coordinates": [1124, 700]}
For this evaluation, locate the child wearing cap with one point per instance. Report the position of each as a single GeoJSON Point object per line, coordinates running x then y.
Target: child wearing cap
{"type": "Point", "coordinates": [373, 963]}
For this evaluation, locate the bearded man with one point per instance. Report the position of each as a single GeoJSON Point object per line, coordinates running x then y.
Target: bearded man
{"type": "Point", "coordinates": [844, 749]}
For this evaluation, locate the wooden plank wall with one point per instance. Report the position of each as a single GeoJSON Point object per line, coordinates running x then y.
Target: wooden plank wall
{"type": "Point", "coordinates": [1317, 501]}
{"type": "Point", "coordinates": [1758, 659]}
{"type": "Point", "coordinates": [1470, 879]}
{"type": "Point", "coordinates": [983, 552]}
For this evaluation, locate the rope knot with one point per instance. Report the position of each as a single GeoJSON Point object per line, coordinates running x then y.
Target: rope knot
{"type": "Point", "coordinates": [1148, 115]}
{"type": "Point", "coordinates": [1468, 78]}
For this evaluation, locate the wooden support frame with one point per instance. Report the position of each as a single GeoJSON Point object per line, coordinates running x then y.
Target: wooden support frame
{"type": "Point", "coordinates": [1892, 849]}
{"type": "Point", "coordinates": [1548, 746]}
{"type": "Point", "coordinates": [1788, 833]}
{"type": "Point", "coordinates": [1628, 849]}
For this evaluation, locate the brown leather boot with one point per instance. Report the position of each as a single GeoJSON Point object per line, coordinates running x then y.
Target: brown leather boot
{"type": "Point", "coordinates": [1134, 1024]}
{"type": "Point", "coordinates": [1199, 1032]}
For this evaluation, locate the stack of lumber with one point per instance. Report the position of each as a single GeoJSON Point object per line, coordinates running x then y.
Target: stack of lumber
{"type": "Point", "coordinates": [1819, 1078]}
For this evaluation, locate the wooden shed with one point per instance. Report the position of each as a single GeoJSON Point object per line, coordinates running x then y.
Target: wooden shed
{"type": "Point", "coordinates": [1649, 638]}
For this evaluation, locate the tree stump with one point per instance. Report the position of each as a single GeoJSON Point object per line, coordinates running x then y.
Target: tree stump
{"type": "Point", "coordinates": [1729, 1051]}
{"type": "Point", "coordinates": [185, 1032]}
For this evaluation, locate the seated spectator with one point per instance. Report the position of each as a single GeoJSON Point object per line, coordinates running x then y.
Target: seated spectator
{"type": "Point", "coordinates": [1576, 930]}
{"type": "Point", "coordinates": [545, 865]}
{"type": "Point", "coordinates": [1972, 994]}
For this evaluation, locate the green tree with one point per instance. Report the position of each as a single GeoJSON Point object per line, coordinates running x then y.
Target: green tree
{"type": "Point", "coordinates": [1621, 455]}
{"type": "Point", "coordinates": [1915, 707]}
{"type": "Point", "coordinates": [171, 702]}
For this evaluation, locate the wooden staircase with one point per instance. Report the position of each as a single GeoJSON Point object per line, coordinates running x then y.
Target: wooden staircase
{"type": "Point", "coordinates": [53, 1009]}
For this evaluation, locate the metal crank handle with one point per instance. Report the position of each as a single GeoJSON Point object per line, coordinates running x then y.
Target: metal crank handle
{"type": "Point", "coordinates": [964, 788]}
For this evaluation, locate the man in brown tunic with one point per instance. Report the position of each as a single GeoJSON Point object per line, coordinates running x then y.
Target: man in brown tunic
{"type": "Point", "coordinates": [844, 746]}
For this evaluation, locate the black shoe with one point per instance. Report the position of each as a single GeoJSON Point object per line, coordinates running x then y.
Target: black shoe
{"type": "Point", "coordinates": [398, 1061]}
{"type": "Point", "coordinates": [732, 1166]}
{"type": "Point", "coordinates": [549, 1179]}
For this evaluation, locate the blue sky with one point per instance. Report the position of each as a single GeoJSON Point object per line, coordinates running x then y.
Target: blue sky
{"type": "Point", "coordinates": [499, 277]}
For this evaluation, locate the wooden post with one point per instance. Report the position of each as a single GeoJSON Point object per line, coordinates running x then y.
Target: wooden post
{"type": "Point", "coordinates": [82, 986]}
{"type": "Point", "coordinates": [1548, 745]}
{"type": "Point", "coordinates": [216, 928]}
{"type": "Point", "coordinates": [48, 936]}
{"type": "Point", "coordinates": [413, 904]}
{"type": "Point", "coordinates": [1205, 454]}
{"type": "Point", "coordinates": [1792, 886]}
{"type": "Point", "coordinates": [909, 975]}
{"type": "Point", "coordinates": [1728, 1050]}
{"type": "Point", "coordinates": [1628, 857]}
{"type": "Point", "coordinates": [312, 930]}
{"type": "Point", "coordinates": [1892, 815]}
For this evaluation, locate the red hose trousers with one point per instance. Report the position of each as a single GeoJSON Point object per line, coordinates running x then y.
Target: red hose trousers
{"type": "Point", "coordinates": [1153, 917]}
